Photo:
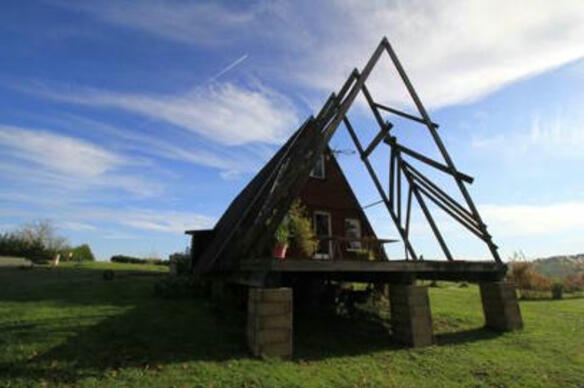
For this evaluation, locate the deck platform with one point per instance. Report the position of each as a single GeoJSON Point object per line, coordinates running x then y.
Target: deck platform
{"type": "Point", "coordinates": [274, 271]}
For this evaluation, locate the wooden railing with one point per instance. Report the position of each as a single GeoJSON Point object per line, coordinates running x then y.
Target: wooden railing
{"type": "Point", "coordinates": [349, 248]}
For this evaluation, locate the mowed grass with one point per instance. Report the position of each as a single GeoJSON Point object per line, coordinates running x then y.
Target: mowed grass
{"type": "Point", "coordinates": [6, 261]}
{"type": "Point", "coordinates": [67, 326]}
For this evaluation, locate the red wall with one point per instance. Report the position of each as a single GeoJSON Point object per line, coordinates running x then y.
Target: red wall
{"type": "Point", "coordinates": [333, 195]}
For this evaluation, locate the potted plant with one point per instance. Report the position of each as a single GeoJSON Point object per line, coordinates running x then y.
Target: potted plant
{"type": "Point", "coordinates": [301, 231]}
{"type": "Point", "coordinates": [281, 236]}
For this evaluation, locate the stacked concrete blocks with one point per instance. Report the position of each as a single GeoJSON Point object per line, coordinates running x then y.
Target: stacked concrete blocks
{"type": "Point", "coordinates": [411, 318]}
{"type": "Point", "coordinates": [500, 306]}
{"type": "Point", "coordinates": [269, 322]}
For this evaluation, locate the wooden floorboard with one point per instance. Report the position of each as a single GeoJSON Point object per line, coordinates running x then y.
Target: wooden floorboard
{"type": "Point", "coordinates": [372, 271]}
{"type": "Point", "coordinates": [291, 265]}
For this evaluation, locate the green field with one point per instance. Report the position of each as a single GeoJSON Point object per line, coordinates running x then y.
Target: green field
{"type": "Point", "coordinates": [13, 261]}
{"type": "Point", "coordinates": [68, 326]}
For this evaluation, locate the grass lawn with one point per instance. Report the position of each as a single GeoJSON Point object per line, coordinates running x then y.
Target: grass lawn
{"type": "Point", "coordinates": [6, 261]}
{"type": "Point", "coordinates": [68, 326]}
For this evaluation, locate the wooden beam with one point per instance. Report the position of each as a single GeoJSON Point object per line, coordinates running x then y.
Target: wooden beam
{"type": "Point", "coordinates": [375, 142]}
{"type": "Point", "coordinates": [403, 114]}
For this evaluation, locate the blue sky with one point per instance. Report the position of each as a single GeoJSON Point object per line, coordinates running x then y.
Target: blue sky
{"type": "Point", "coordinates": [128, 122]}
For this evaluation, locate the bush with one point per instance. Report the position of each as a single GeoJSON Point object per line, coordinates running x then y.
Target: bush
{"type": "Point", "coordinates": [14, 244]}
{"type": "Point", "coordinates": [82, 253]}
{"type": "Point", "coordinates": [526, 278]}
{"type": "Point", "coordinates": [301, 229]}
{"type": "Point", "coordinates": [574, 282]}
{"type": "Point", "coordinates": [137, 260]}
{"type": "Point", "coordinates": [182, 261]}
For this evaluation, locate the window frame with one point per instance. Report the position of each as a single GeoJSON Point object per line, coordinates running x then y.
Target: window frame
{"type": "Point", "coordinates": [360, 228]}
{"type": "Point", "coordinates": [312, 172]}
{"type": "Point", "coordinates": [329, 255]}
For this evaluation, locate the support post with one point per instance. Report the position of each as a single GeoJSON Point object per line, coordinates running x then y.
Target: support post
{"type": "Point", "coordinates": [269, 322]}
{"type": "Point", "coordinates": [411, 318]}
{"type": "Point", "coordinates": [500, 306]}
{"type": "Point", "coordinates": [218, 292]}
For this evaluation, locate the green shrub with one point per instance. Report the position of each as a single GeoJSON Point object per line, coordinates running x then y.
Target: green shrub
{"type": "Point", "coordinates": [15, 244]}
{"type": "Point", "coordinates": [137, 260]}
{"type": "Point", "coordinates": [301, 229]}
{"type": "Point", "coordinates": [182, 261]}
{"type": "Point", "coordinates": [282, 234]}
{"type": "Point", "coordinates": [82, 253]}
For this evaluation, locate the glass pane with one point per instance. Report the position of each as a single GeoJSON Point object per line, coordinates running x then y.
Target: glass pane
{"type": "Point", "coordinates": [318, 170]}
{"type": "Point", "coordinates": [353, 230]}
{"type": "Point", "coordinates": [322, 229]}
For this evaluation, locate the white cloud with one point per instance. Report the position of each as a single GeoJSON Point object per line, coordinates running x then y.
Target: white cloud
{"type": "Point", "coordinates": [47, 160]}
{"type": "Point", "coordinates": [223, 112]}
{"type": "Point", "coordinates": [183, 146]}
{"type": "Point", "coordinates": [534, 220]}
{"type": "Point", "coordinates": [454, 51]}
{"type": "Point", "coordinates": [160, 221]}
{"type": "Point", "coordinates": [555, 137]}
{"type": "Point", "coordinates": [58, 153]}
{"type": "Point", "coordinates": [72, 216]}
{"type": "Point", "coordinates": [77, 226]}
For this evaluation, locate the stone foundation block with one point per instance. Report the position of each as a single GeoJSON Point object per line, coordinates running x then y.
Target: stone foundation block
{"type": "Point", "coordinates": [500, 306]}
{"type": "Point", "coordinates": [269, 322]}
{"type": "Point", "coordinates": [411, 318]}
{"type": "Point", "coordinates": [218, 292]}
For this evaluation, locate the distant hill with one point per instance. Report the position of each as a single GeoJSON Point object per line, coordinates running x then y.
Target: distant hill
{"type": "Point", "coordinates": [560, 266]}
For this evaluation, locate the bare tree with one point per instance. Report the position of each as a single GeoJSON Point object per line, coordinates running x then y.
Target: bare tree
{"type": "Point", "coordinates": [45, 232]}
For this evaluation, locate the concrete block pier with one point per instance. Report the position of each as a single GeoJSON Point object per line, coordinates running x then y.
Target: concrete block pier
{"type": "Point", "coordinates": [411, 318]}
{"type": "Point", "coordinates": [500, 306]}
{"type": "Point", "coordinates": [269, 322]}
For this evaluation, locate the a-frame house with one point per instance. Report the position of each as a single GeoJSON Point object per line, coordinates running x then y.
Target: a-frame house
{"type": "Point", "coordinates": [235, 250]}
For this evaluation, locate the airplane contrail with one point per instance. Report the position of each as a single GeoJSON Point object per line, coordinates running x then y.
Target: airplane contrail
{"type": "Point", "coordinates": [229, 67]}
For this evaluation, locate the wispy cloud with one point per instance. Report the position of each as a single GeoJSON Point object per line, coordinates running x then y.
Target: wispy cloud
{"type": "Point", "coordinates": [202, 23]}
{"type": "Point", "coordinates": [78, 217]}
{"type": "Point", "coordinates": [183, 147]}
{"type": "Point", "coordinates": [58, 153]}
{"type": "Point", "coordinates": [454, 51]}
{"type": "Point", "coordinates": [77, 226]}
{"type": "Point", "coordinates": [555, 137]}
{"type": "Point", "coordinates": [222, 112]}
{"type": "Point", "coordinates": [38, 157]}
{"type": "Point", "coordinates": [534, 220]}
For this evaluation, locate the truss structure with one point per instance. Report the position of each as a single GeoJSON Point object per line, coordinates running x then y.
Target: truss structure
{"type": "Point", "coordinates": [420, 187]}
{"type": "Point", "coordinates": [246, 228]}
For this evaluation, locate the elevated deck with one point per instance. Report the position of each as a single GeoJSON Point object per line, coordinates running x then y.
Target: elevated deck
{"type": "Point", "coordinates": [267, 271]}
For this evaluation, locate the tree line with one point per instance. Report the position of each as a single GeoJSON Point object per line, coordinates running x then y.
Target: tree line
{"type": "Point", "coordinates": [39, 242]}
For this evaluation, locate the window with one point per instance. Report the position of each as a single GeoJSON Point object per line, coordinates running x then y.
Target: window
{"type": "Point", "coordinates": [318, 170]}
{"type": "Point", "coordinates": [353, 230]}
{"type": "Point", "coordinates": [323, 232]}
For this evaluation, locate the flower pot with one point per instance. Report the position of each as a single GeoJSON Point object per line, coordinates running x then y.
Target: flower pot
{"type": "Point", "coordinates": [279, 251]}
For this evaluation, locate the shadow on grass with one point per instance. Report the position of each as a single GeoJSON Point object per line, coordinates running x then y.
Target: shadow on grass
{"type": "Point", "coordinates": [466, 336]}
{"type": "Point", "coordinates": [318, 337]}
{"type": "Point", "coordinates": [145, 332]}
